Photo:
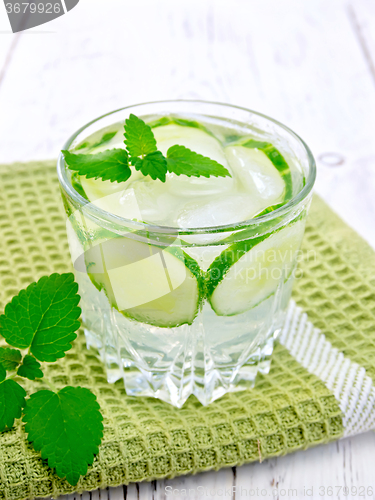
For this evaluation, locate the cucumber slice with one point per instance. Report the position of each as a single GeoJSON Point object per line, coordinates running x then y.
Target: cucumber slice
{"type": "Point", "coordinates": [270, 209]}
{"type": "Point", "coordinates": [278, 161]}
{"type": "Point", "coordinates": [97, 188]}
{"type": "Point", "coordinates": [76, 183]}
{"type": "Point", "coordinates": [98, 140]}
{"type": "Point", "coordinates": [161, 287]}
{"type": "Point", "coordinates": [142, 199]}
{"type": "Point", "coordinates": [175, 120]}
{"type": "Point", "coordinates": [249, 271]}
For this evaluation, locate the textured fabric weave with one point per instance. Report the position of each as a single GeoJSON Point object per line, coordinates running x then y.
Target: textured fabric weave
{"type": "Point", "coordinates": [301, 403]}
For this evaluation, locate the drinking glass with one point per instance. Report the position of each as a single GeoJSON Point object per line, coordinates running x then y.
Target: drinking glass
{"type": "Point", "coordinates": [180, 311]}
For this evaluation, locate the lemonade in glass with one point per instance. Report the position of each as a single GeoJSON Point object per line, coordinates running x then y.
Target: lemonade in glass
{"type": "Point", "coordinates": [184, 282]}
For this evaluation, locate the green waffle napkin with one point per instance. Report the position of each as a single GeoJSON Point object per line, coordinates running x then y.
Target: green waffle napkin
{"type": "Point", "coordinates": [320, 387]}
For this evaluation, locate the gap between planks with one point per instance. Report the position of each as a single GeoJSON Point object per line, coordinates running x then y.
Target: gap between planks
{"type": "Point", "coordinates": [361, 40]}
{"type": "Point", "coordinates": [9, 56]}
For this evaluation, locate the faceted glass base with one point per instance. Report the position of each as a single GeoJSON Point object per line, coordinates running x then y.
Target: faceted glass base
{"type": "Point", "coordinates": [212, 356]}
{"type": "Point", "coordinates": [175, 386]}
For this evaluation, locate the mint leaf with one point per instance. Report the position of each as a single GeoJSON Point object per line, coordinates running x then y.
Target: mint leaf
{"type": "Point", "coordinates": [66, 427]}
{"type": "Point", "coordinates": [181, 160]}
{"type": "Point", "coordinates": [110, 165]}
{"type": "Point", "coordinates": [30, 368]}
{"type": "Point", "coordinates": [12, 400]}
{"type": "Point", "coordinates": [139, 138]}
{"type": "Point", "coordinates": [43, 317]}
{"type": "Point", "coordinates": [3, 373]}
{"type": "Point", "coordinates": [153, 164]}
{"type": "Point", "coordinates": [10, 358]}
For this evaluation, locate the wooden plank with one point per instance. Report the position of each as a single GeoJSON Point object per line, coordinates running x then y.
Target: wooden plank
{"type": "Point", "coordinates": [362, 16]}
{"type": "Point", "coordinates": [205, 485]}
{"type": "Point", "coordinates": [119, 493]}
{"type": "Point", "coordinates": [87, 68]}
{"type": "Point", "coordinates": [339, 470]}
{"type": "Point", "coordinates": [8, 43]}
{"type": "Point", "coordinates": [7, 50]}
{"type": "Point", "coordinates": [305, 80]}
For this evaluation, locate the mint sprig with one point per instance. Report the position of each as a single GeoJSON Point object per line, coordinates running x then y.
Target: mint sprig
{"type": "Point", "coordinates": [66, 424]}
{"type": "Point", "coordinates": [141, 152]}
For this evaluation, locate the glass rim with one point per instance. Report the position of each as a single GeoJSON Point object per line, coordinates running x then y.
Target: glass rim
{"type": "Point", "coordinates": [101, 214]}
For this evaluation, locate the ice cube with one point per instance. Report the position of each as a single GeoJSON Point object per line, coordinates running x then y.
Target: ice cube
{"type": "Point", "coordinates": [256, 173]}
{"type": "Point", "coordinates": [222, 210]}
{"type": "Point", "coordinates": [200, 142]}
{"type": "Point", "coordinates": [193, 138]}
{"type": "Point", "coordinates": [156, 204]}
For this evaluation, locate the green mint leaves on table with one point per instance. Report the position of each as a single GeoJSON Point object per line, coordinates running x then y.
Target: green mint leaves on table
{"type": "Point", "coordinates": [142, 153]}
{"type": "Point", "coordinates": [30, 368]}
{"type": "Point", "coordinates": [64, 425]}
{"type": "Point", "coordinates": [12, 400]}
{"type": "Point", "coordinates": [44, 317]}
{"type": "Point", "coordinates": [10, 358]}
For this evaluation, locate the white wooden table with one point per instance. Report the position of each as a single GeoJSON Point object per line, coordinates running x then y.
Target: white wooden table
{"type": "Point", "coordinates": [308, 63]}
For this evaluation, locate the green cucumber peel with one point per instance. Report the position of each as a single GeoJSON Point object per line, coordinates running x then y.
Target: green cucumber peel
{"type": "Point", "coordinates": [221, 265]}
{"type": "Point", "coordinates": [106, 137]}
{"type": "Point", "coordinates": [278, 161]}
{"type": "Point", "coordinates": [182, 122]}
{"type": "Point", "coordinates": [102, 282]}
{"type": "Point", "coordinates": [269, 209]}
{"type": "Point", "coordinates": [77, 185]}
